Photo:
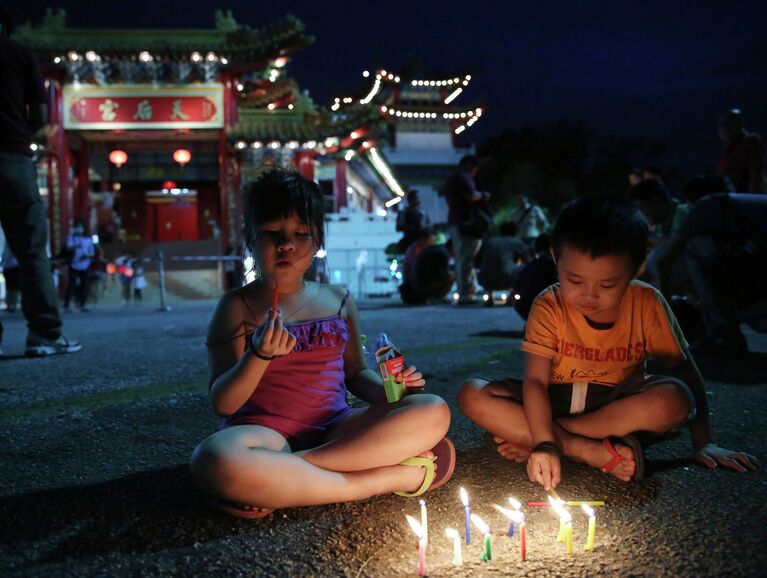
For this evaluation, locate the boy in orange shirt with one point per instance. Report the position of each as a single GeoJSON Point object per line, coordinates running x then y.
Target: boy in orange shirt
{"type": "Point", "coordinates": [586, 342]}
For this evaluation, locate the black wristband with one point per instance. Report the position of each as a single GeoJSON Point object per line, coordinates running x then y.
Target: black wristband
{"type": "Point", "coordinates": [549, 447]}
{"type": "Point", "coordinates": [257, 354]}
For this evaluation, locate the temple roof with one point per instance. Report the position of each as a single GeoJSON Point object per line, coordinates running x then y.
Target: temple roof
{"type": "Point", "coordinates": [239, 44]}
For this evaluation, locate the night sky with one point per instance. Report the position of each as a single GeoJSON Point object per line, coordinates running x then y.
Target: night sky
{"type": "Point", "coordinates": [662, 70]}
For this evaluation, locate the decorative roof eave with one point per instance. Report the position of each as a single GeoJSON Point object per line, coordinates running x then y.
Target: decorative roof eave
{"type": "Point", "coordinates": [240, 44]}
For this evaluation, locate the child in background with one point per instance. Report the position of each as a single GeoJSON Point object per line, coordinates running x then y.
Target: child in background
{"type": "Point", "coordinates": [587, 340]}
{"type": "Point", "coordinates": [139, 283]}
{"type": "Point", "coordinates": [278, 378]}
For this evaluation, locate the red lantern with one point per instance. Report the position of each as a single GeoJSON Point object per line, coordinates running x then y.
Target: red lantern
{"type": "Point", "coordinates": [118, 158]}
{"type": "Point", "coordinates": [169, 185]}
{"type": "Point", "coordinates": [182, 156]}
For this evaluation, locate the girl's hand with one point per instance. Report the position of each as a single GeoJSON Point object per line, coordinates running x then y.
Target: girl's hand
{"type": "Point", "coordinates": [711, 454]}
{"type": "Point", "coordinates": [271, 339]}
{"type": "Point", "coordinates": [411, 378]}
{"type": "Point", "coordinates": [545, 469]}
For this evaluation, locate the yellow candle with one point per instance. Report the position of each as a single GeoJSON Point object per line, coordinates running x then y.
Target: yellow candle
{"type": "Point", "coordinates": [453, 535]}
{"type": "Point", "coordinates": [592, 527]}
{"type": "Point", "coordinates": [569, 537]}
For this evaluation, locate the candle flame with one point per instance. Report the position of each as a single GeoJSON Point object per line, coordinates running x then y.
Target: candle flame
{"type": "Point", "coordinates": [518, 517]}
{"type": "Point", "coordinates": [452, 533]}
{"type": "Point", "coordinates": [423, 503]}
{"type": "Point", "coordinates": [563, 514]}
{"type": "Point", "coordinates": [480, 524]}
{"type": "Point", "coordinates": [415, 526]}
{"type": "Point", "coordinates": [588, 510]}
{"type": "Point", "coordinates": [505, 511]}
{"type": "Point", "coordinates": [464, 497]}
{"type": "Point", "coordinates": [516, 504]}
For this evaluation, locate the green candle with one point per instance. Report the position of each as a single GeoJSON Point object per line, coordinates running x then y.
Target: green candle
{"type": "Point", "coordinates": [487, 554]}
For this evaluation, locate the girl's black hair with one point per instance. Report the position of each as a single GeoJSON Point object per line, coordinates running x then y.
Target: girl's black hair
{"type": "Point", "coordinates": [278, 194]}
{"type": "Point", "coordinates": [600, 225]}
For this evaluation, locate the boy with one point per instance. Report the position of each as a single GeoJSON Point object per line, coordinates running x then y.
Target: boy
{"type": "Point", "coordinates": [586, 342]}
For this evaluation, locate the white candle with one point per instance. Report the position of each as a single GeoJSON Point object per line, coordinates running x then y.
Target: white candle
{"type": "Point", "coordinates": [455, 536]}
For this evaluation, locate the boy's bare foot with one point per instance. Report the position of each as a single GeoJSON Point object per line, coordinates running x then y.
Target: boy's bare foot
{"type": "Point", "coordinates": [595, 454]}
{"type": "Point", "coordinates": [511, 451]}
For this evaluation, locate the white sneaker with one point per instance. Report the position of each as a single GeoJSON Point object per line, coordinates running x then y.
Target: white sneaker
{"type": "Point", "coordinates": [38, 346]}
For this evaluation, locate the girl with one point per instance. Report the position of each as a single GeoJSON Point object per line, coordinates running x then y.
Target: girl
{"type": "Point", "coordinates": [278, 377]}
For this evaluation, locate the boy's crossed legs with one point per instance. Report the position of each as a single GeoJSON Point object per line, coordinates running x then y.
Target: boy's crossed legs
{"type": "Point", "coordinates": [252, 464]}
{"type": "Point", "coordinates": [657, 409]}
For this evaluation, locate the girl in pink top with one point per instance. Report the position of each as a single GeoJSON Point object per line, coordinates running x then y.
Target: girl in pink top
{"type": "Point", "coordinates": [279, 378]}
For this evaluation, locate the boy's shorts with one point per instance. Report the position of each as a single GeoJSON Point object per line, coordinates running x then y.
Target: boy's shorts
{"type": "Point", "coordinates": [568, 399]}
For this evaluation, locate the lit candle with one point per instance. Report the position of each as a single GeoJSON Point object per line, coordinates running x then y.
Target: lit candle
{"type": "Point", "coordinates": [522, 535]}
{"type": "Point", "coordinates": [517, 506]}
{"type": "Point", "coordinates": [556, 507]}
{"type": "Point", "coordinates": [455, 536]}
{"type": "Point", "coordinates": [589, 511]}
{"type": "Point", "coordinates": [467, 514]}
{"type": "Point", "coordinates": [275, 297]}
{"type": "Point", "coordinates": [517, 518]}
{"type": "Point", "coordinates": [487, 554]}
{"type": "Point", "coordinates": [424, 522]}
{"type": "Point", "coordinates": [418, 531]}
{"type": "Point", "coordinates": [565, 524]}
{"type": "Point", "coordinates": [569, 533]}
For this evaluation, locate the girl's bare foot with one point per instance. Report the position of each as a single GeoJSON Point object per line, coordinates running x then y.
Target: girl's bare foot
{"type": "Point", "coordinates": [413, 477]}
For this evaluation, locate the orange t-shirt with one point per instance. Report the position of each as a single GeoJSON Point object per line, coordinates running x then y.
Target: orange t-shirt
{"type": "Point", "coordinates": [645, 327]}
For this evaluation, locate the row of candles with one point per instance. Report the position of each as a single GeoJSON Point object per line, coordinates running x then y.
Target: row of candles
{"type": "Point", "coordinates": [518, 525]}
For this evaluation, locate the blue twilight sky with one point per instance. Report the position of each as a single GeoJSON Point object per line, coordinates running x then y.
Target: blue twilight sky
{"type": "Point", "coordinates": [662, 70]}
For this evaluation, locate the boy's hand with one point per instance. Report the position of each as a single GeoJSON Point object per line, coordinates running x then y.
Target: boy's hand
{"type": "Point", "coordinates": [544, 468]}
{"type": "Point", "coordinates": [272, 339]}
{"type": "Point", "coordinates": [411, 377]}
{"type": "Point", "coordinates": [711, 454]}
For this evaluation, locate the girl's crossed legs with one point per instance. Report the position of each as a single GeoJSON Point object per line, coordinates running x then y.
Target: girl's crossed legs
{"type": "Point", "coordinates": [251, 464]}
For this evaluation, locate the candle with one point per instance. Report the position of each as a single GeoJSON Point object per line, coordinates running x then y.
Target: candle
{"type": "Point", "coordinates": [455, 536]}
{"type": "Point", "coordinates": [565, 524]}
{"type": "Point", "coordinates": [589, 511]}
{"type": "Point", "coordinates": [517, 506]}
{"type": "Point", "coordinates": [418, 531]}
{"type": "Point", "coordinates": [569, 535]}
{"type": "Point", "coordinates": [508, 513]}
{"type": "Point", "coordinates": [517, 518]}
{"type": "Point", "coordinates": [487, 553]}
{"type": "Point", "coordinates": [523, 537]}
{"type": "Point", "coordinates": [275, 297]}
{"type": "Point", "coordinates": [467, 514]}
{"type": "Point", "coordinates": [597, 503]}
{"type": "Point", "coordinates": [424, 522]}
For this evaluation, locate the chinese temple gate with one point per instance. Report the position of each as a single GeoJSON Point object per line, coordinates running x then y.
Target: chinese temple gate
{"type": "Point", "coordinates": [154, 132]}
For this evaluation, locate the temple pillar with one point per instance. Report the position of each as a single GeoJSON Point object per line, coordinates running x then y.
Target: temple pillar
{"type": "Point", "coordinates": [339, 185]}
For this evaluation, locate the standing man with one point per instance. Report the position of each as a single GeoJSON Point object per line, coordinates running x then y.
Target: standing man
{"type": "Point", "coordinates": [22, 113]}
{"type": "Point", "coordinates": [461, 194]}
{"type": "Point", "coordinates": [81, 251]}
{"type": "Point", "coordinates": [743, 156]}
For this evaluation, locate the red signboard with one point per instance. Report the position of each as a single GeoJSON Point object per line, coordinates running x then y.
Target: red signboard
{"type": "Point", "coordinates": [143, 107]}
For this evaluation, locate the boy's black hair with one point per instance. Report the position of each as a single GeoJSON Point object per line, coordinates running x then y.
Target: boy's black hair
{"type": "Point", "coordinates": [650, 190]}
{"type": "Point", "coordinates": [278, 194]}
{"type": "Point", "coordinates": [600, 225]}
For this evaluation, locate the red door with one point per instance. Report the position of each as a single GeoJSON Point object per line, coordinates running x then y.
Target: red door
{"type": "Point", "coordinates": [176, 222]}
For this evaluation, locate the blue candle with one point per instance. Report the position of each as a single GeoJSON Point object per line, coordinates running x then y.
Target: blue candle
{"type": "Point", "coordinates": [467, 513]}
{"type": "Point", "coordinates": [510, 533]}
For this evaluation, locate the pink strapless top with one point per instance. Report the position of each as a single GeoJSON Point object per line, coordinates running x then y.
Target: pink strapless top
{"type": "Point", "coordinates": [303, 392]}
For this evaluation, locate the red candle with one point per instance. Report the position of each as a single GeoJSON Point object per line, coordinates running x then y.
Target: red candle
{"type": "Point", "coordinates": [523, 540]}
{"type": "Point", "coordinates": [274, 300]}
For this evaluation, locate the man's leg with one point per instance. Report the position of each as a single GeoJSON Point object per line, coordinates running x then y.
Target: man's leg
{"type": "Point", "coordinates": [22, 215]}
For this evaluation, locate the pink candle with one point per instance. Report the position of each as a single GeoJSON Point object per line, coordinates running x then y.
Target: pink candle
{"type": "Point", "coordinates": [421, 535]}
